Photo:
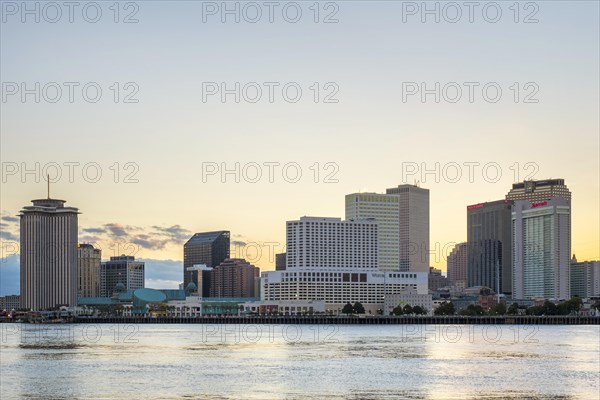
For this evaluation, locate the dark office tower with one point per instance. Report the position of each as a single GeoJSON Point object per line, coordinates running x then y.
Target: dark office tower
{"type": "Point", "coordinates": [233, 278]}
{"type": "Point", "coordinates": [48, 255]}
{"type": "Point", "coordinates": [280, 262]}
{"type": "Point", "coordinates": [123, 270]}
{"type": "Point", "coordinates": [208, 248]}
{"type": "Point", "coordinates": [539, 190]}
{"type": "Point", "coordinates": [457, 267]}
{"type": "Point", "coordinates": [489, 241]}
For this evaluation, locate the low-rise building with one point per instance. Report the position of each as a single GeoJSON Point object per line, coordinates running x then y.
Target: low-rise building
{"type": "Point", "coordinates": [10, 302]}
{"type": "Point", "coordinates": [289, 307]}
{"type": "Point", "coordinates": [408, 297]}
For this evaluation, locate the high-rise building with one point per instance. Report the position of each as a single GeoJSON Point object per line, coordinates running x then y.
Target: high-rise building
{"type": "Point", "coordinates": [585, 278]}
{"type": "Point", "coordinates": [234, 278]}
{"type": "Point", "coordinates": [88, 270]}
{"type": "Point", "coordinates": [489, 245]}
{"type": "Point", "coordinates": [123, 270]}
{"type": "Point", "coordinates": [385, 209]}
{"type": "Point", "coordinates": [539, 190]}
{"type": "Point", "coordinates": [541, 249]}
{"type": "Point", "coordinates": [435, 279]}
{"type": "Point", "coordinates": [280, 262]}
{"type": "Point", "coordinates": [457, 267]}
{"type": "Point", "coordinates": [317, 243]}
{"type": "Point", "coordinates": [402, 214]}
{"type": "Point", "coordinates": [209, 249]}
{"type": "Point", "coordinates": [48, 255]}
{"type": "Point", "coordinates": [414, 227]}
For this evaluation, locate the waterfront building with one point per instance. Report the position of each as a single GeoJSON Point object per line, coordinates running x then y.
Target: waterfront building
{"type": "Point", "coordinates": [10, 302]}
{"type": "Point", "coordinates": [408, 297]}
{"type": "Point", "coordinates": [289, 307]}
{"type": "Point", "coordinates": [489, 245]}
{"type": "Point", "coordinates": [541, 249]}
{"type": "Point", "coordinates": [207, 248]}
{"type": "Point", "coordinates": [124, 270]}
{"type": "Point", "coordinates": [456, 264]}
{"type": "Point", "coordinates": [48, 255]}
{"type": "Point", "coordinates": [234, 278]}
{"type": "Point", "coordinates": [585, 278]}
{"type": "Point", "coordinates": [88, 270]}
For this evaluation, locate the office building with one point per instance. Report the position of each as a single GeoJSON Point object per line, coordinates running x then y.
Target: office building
{"type": "Point", "coordinates": [280, 261]}
{"type": "Point", "coordinates": [456, 265]}
{"type": "Point", "coordinates": [48, 259]}
{"type": "Point", "coordinates": [10, 302]}
{"type": "Point", "coordinates": [234, 278]}
{"type": "Point", "coordinates": [435, 279]}
{"type": "Point", "coordinates": [206, 248]}
{"type": "Point", "coordinates": [489, 245]}
{"type": "Point", "coordinates": [123, 270]}
{"type": "Point", "coordinates": [541, 249]}
{"type": "Point", "coordinates": [88, 270]}
{"type": "Point", "coordinates": [585, 278]}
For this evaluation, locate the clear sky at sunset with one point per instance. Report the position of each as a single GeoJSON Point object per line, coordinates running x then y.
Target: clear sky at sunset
{"type": "Point", "coordinates": [363, 142]}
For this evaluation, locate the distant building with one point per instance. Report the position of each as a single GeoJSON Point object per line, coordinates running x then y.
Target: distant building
{"type": "Point", "coordinates": [489, 245]}
{"type": "Point", "coordinates": [48, 255]}
{"type": "Point", "coordinates": [585, 278]}
{"type": "Point", "coordinates": [289, 307]}
{"type": "Point", "coordinates": [435, 279]}
{"type": "Point", "coordinates": [234, 278]}
{"type": "Point", "coordinates": [408, 297]}
{"type": "Point", "coordinates": [280, 262]}
{"type": "Point", "coordinates": [10, 302]}
{"type": "Point", "coordinates": [539, 190]}
{"type": "Point", "coordinates": [542, 249]}
{"type": "Point", "coordinates": [207, 248]}
{"type": "Point", "coordinates": [88, 270]}
{"type": "Point", "coordinates": [402, 214]}
{"type": "Point", "coordinates": [124, 270]}
{"type": "Point", "coordinates": [457, 267]}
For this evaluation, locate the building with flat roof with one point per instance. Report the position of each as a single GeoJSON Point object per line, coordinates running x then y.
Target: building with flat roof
{"type": "Point", "coordinates": [456, 265]}
{"type": "Point", "coordinates": [234, 278]}
{"type": "Point", "coordinates": [48, 255]}
{"type": "Point", "coordinates": [88, 270]}
{"type": "Point", "coordinates": [207, 248]}
{"type": "Point", "coordinates": [124, 270]}
{"type": "Point", "coordinates": [585, 278]}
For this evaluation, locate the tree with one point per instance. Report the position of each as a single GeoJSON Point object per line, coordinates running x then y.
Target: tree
{"type": "Point", "coordinates": [446, 308]}
{"type": "Point", "coordinates": [358, 308]}
{"type": "Point", "coordinates": [472, 310]}
{"type": "Point", "coordinates": [418, 310]}
{"type": "Point", "coordinates": [407, 309]}
{"type": "Point", "coordinates": [499, 309]}
{"type": "Point", "coordinates": [397, 310]}
{"type": "Point", "coordinates": [513, 309]}
{"type": "Point", "coordinates": [596, 305]}
{"type": "Point", "coordinates": [535, 310]}
{"type": "Point", "coordinates": [348, 309]}
{"type": "Point", "coordinates": [549, 308]}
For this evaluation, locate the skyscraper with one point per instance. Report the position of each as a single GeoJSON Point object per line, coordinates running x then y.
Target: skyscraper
{"type": "Point", "coordinates": [457, 266]}
{"type": "Point", "coordinates": [208, 248]}
{"type": "Point", "coordinates": [234, 278]}
{"type": "Point", "coordinates": [48, 254]}
{"type": "Point", "coordinates": [402, 214]}
{"type": "Point", "coordinates": [585, 278]}
{"type": "Point", "coordinates": [539, 190]}
{"type": "Point", "coordinates": [123, 270]}
{"type": "Point", "coordinates": [414, 227]}
{"type": "Point", "coordinates": [88, 270]}
{"type": "Point", "coordinates": [541, 248]}
{"type": "Point", "coordinates": [489, 245]}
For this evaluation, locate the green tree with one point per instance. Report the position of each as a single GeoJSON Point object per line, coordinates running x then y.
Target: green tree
{"type": "Point", "coordinates": [348, 309]}
{"type": "Point", "coordinates": [472, 310]}
{"type": "Point", "coordinates": [596, 305]}
{"type": "Point", "coordinates": [446, 308]}
{"type": "Point", "coordinates": [549, 308]}
{"type": "Point", "coordinates": [535, 310]}
{"type": "Point", "coordinates": [418, 310]}
{"type": "Point", "coordinates": [397, 310]}
{"type": "Point", "coordinates": [499, 309]}
{"type": "Point", "coordinates": [513, 309]}
{"type": "Point", "coordinates": [407, 309]}
{"type": "Point", "coordinates": [358, 308]}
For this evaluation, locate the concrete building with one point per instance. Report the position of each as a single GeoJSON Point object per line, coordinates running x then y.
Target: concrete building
{"type": "Point", "coordinates": [408, 297]}
{"type": "Point", "coordinates": [10, 302]}
{"type": "Point", "coordinates": [489, 245]}
{"type": "Point", "coordinates": [435, 279]}
{"type": "Point", "coordinates": [585, 278]}
{"type": "Point", "coordinates": [290, 307]}
{"type": "Point", "coordinates": [317, 243]}
{"type": "Point", "coordinates": [539, 190]}
{"type": "Point", "coordinates": [124, 270]}
{"type": "Point", "coordinates": [48, 255]}
{"type": "Point", "coordinates": [234, 278]}
{"type": "Point", "coordinates": [280, 264]}
{"type": "Point", "coordinates": [88, 270]}
{"type": "Point", "coordinates": [207, 248]}
{"type": "Point", "coordinates": [402, 214]}
{"type": "Point", "coordinates": [385, 209]}
{"type": "Point", "coordinates": [456, 264]}
{"type": "Point", "coordinates": [541, 249]}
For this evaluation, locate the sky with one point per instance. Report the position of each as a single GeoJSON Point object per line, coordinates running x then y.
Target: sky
{"type": "Point", "coordinates": [142, 123]}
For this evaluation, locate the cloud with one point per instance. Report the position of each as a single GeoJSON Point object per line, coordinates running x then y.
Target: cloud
{"type": "Point", "coordinates": [163, 270]}
{"type": "Point", "coordinates": [9, 218]}
{"type": "Point", "coordinates": [8, 236]}
{"type": "Point", "coordinates": [239, 243]}
{"type": "Point", "coordinates": [116, 229]}
{"type": "Point", "coordinates": [94, 230]}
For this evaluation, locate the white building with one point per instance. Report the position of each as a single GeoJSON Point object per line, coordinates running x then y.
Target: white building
{"type": "Point", "coordinates": [403, 217]}
{"type": "Point", "coordinates": [285, 307]}
{"type": "Point", "coordinates": [585, 278]}
{"type": "Point", "coordinates": [315, 243]}
{"type": "Point", "coordinates": [408, 297]}
{"type": "Point", "coordinates": [48, 255]}
{"type": "Point", "coordinates": [541, 249]}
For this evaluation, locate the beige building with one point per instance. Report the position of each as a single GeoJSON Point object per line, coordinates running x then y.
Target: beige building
{"type": "Point", "coordinates": [408, 297]}
{"type": "Point", "coordinates": [88, 270]}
